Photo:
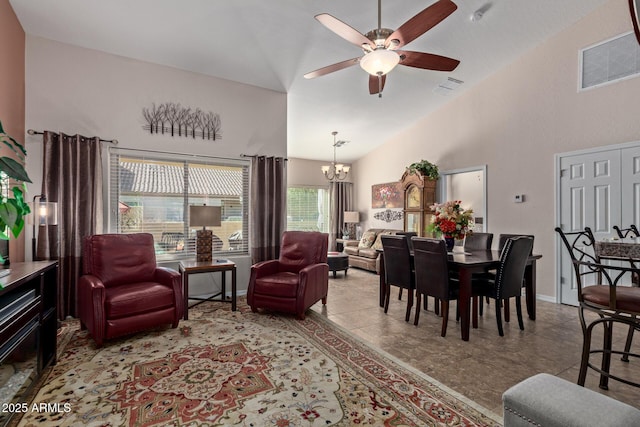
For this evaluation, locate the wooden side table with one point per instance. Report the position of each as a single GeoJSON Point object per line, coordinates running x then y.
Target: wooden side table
{"type": "Point", "coordinates": [188, 267]}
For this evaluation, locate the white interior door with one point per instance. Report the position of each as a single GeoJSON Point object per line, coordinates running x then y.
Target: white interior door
{"type": "Point", "coordinates": [590, 196]}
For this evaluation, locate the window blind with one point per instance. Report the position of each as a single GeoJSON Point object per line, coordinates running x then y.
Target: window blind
{"type": "Point", "coordinates": [307, 209]}
{"type": "Point", "coordinates": [151, 192]}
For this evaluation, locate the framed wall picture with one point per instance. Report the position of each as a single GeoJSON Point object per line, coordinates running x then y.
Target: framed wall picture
{"type": "Point", "coordinates": [387, 195]}
{"type": "Point", "coordinates": [634, 8]}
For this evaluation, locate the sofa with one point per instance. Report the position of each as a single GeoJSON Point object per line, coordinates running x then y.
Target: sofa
{"type": "Point", "coordinates": [364, 253]}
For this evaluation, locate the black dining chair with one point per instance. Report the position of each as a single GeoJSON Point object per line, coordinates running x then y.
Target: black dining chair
{"type": "Point", "coordinates": [432, 276]}
{"type": "Point", "coordinates": [508, 279]}
{"type": "Point", "coordinates": [478, 241]}
{"type": "Point", "coordinates": [502, 239]}
{"type": "Point", "coordinates": [600, 291]}
{"type": "Point", "coordinates": [623, 233]}
{"type": "Point", "coordinates": [398, 269]}
{"type": "Point", "coordinates": [408, 235]}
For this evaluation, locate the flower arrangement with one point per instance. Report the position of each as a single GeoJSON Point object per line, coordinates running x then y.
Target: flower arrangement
{"type": "Point", "coordinates": [451, 220]}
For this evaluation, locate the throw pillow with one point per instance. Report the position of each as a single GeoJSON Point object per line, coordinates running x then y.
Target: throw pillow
{"type": "Point", "coordinates": [367, 239]}
{"type": "Point", "coordinates": [378, 244]}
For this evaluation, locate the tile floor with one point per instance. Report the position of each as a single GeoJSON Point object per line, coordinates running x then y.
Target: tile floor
{"type": "Point", "coordinates": [485, 366]}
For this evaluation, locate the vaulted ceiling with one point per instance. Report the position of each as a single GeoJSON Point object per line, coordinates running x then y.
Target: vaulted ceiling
{"type": "Point", "coordinates": [272, 44]}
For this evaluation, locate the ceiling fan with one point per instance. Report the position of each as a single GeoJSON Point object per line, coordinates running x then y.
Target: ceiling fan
{"type": "Point", "coordinates": [381, 45]}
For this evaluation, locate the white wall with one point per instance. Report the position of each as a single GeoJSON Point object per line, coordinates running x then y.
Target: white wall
{"type": "Point", "coordinates": [515, 121]}
{"type": "Point", "coordinates": [77, 90]}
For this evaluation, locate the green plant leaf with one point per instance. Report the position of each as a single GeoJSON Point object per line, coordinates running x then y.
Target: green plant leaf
{"type": "Point", "coordinates": [14, 146]}
{"type": "Point", "coordinates": [18, 227]}
{"type": "Point", "coordinates": [14, 169]}
{"type": "Point", "coordinates": [8, 214]}
{"type": "Point", "coordinates": [1, 128]}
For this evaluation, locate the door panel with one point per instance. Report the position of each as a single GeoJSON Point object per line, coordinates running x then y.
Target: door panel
{"type": "Point", "coordinates": [630, 186]}
{"type": "Point", "coordinates": [589, 197]}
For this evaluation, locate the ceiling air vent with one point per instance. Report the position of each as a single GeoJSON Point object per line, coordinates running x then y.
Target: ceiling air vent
{"type": "Point", "coordinates": [610, 61]}
{"type": "Point", "coordinates": [448, 86]}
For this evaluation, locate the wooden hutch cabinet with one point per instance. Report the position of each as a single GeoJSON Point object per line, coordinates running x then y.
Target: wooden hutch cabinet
{"type": "Point", "coordinates": [419, 196]}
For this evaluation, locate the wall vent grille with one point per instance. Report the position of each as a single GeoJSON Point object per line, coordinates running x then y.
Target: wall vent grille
{"type": "Point", "coordinates": [610, 61]}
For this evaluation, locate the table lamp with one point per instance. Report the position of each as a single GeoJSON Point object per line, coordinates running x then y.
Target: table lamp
{"type": "Point", "coordinates": [203, 216]}
{"type": "Point", "coordinates": [350, 219]}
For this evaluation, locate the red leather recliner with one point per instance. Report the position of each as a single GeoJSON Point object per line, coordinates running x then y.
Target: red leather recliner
{"type": "Point", "coordinates": [295, 281]}
{"type": "Point", "coordinates": [122, 290]}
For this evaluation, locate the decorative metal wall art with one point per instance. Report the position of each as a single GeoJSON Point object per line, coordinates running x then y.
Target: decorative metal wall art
{"type": "Point", "coordinates": [388, 215]}
{"type": "Point", "coordinates": [174, 119]}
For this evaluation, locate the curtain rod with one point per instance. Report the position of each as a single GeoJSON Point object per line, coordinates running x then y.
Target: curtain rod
{"type": "Point", "coordinates": [257, 156]}
{"type": "Point", "coordinates": [35, 132]}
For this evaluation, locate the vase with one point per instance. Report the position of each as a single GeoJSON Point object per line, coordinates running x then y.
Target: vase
{"type": "Point", "coordinates": [450, 242]}
{"type": "Point", "coordinates": [458, 246]}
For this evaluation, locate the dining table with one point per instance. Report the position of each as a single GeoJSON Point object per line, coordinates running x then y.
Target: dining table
{"type": "Point", "coordinates": [478, 261]}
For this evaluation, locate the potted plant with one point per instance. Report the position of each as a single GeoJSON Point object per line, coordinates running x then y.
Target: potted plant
{"type": "Point", "coordinates": [425, 168]}
{"type": "Point", "coordinates": [13, 207]}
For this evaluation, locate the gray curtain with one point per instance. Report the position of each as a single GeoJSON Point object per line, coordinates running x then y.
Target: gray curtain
{"type": "Point", "coordinates": [340, 200]}
{"type": "Point", "coordinates": [268, 206]}
{"type": "Point", "coordinates": [72, 177]}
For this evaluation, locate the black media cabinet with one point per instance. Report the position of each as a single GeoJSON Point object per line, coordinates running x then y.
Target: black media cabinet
{"type": "Point", "coordinates": [28, 331]}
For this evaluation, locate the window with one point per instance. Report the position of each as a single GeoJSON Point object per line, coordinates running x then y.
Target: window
{"type": "Point", "coordinates": [151, 192]}
{"type": "Point", "coordinates": [307, 209]}
{"type": "Point", "coordinates": [610, 61]}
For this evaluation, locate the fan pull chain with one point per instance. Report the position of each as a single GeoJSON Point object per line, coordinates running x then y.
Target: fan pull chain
{"type": "Point", "coordinates": [379, 85]}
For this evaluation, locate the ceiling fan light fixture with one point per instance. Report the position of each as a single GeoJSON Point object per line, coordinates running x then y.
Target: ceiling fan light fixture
{"type": "Point", "coordinates": [379, 62]}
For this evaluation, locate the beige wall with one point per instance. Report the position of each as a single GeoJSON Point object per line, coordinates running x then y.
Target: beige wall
{"type": "Point", "coordinates": [12, 42]}
{"type": "Point", "coordinates": [303, 172]}
{"type": "Point", "coordinates": [77, 90]}
{"type": "Point", "coordinates": [515, 122]}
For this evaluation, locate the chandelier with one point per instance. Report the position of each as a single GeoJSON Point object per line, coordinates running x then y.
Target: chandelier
{"type": "Point", "coordinates": [336, 171]}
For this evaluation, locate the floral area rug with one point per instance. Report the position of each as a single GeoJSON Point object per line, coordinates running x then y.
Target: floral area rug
{"type": "Point", "coordinates": [223, 368]}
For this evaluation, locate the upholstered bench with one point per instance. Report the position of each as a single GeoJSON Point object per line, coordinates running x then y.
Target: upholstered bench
{"type": "Point", "coordinates": [548, 401]}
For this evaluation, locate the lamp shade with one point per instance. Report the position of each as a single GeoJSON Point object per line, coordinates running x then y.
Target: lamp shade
{"type": "Point", "coordinates": [351, 216]}
{"type": "Point", "coordinates": [379, 62]}
{"type": "Point", "coordinates": [202, 216]}
{"type": "Point", "coordinates": [43, 213]}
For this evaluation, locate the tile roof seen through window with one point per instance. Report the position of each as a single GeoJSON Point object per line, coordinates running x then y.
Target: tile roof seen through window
{"type": "Point", "coordinates": [138, 177]}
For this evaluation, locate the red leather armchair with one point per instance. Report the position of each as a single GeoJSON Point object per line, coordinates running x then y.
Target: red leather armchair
{"type": "Point", "coordinates": [122, 290]}
{"type": "Point", "coordinates": [295, 281]}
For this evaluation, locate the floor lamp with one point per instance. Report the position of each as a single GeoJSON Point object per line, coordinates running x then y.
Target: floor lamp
{"type": "Point", "coordinates": [44, 213]}
{"type": "Point", "coordinates": [203, 216]}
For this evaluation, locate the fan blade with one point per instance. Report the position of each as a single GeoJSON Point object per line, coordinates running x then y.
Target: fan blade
{"type": "Point", "coordinates": [421, 23]}
{"type": "Point", "coordinates": [374, 85]}
{"type": "Point", "coordinates": [331, 68]}
{"type": "Point", "coordinates": [427, 61]}
{"type": "Point", "coordinates": [348, 33]}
